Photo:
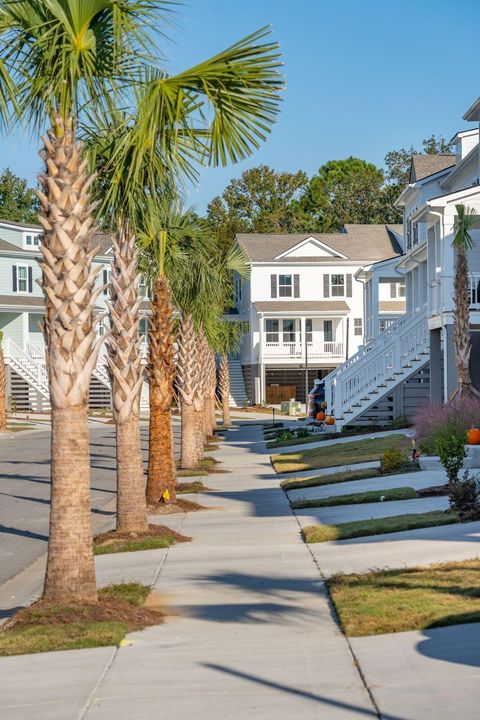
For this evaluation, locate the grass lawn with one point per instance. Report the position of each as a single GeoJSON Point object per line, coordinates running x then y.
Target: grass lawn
{"type": "Point", "coordinates": [413, 599]}
{"type": "Point", "coordinates": [158, 536]}
{"type": "Point", "coordinates": [401, 493]}
{"type": "Point", "coordinates": [196, 486]}
{"type": "Point", "coordinates": [356, 451]}
{"type": "Point", "coordinates": [44, 627]}
{"type": "Point", "coordinates": [378, 526]}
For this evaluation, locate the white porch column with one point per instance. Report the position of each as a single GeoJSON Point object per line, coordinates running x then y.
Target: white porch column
{"type": "Point", "coordinates": [261, 368]}
{"type": "Point", "coordinates": [303, 337]}
{"type": "Point", "coordinates": [375, 290]}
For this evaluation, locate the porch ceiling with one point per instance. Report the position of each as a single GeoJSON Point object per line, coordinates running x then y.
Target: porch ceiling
{"type": "Point", "coordinates": [302, 306]}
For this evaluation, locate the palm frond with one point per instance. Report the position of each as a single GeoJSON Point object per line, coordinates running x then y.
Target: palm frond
{"type": "Point", "coordinates": [464, 223]}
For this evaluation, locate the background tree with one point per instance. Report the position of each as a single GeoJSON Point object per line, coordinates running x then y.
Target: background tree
{"type": "Point", "coordinates": [259, 201]}
{"type": "Point", "coordinates": [397, 162]}
{"type": "Point", "coordinates": [18, 202]}
{"type": "Point", "coordinates": [343, 191]}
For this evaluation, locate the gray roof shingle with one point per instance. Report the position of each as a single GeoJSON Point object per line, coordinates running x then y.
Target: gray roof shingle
{"type": "Point", "coordinates": [423, 166]}
{"type": "Point", "coordinates": [358, 242]}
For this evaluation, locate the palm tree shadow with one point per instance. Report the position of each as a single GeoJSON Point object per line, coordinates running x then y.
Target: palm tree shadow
{"type": "Point", "coordinates": [457, 643]}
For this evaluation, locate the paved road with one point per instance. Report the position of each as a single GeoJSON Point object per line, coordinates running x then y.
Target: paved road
{"type": "Point", "coordinates": [25, 492]}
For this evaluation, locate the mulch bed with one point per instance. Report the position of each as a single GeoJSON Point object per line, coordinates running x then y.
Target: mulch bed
{"type": "Point", "coordinates": [107, 609]}
{"type": "Point", "coordinates": [433, 491]}
{"type": "Point", "coordinates": [180, 505]}
{"type": "Point", "coordinates": [193, 487]}
{"type": "Point", "coordinates": [153, 531]}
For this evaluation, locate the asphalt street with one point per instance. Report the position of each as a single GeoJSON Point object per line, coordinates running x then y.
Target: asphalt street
{"type": "Point", "coordinates": [25, 491]}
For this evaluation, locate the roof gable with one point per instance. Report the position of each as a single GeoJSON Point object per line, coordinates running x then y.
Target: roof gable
{"type": "Point", "coordinates": [310, 247]}
{"type": "Point", "coordinates": [423, 166]}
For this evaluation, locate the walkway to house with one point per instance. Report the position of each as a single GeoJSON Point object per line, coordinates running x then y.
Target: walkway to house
{"type": "Point", "coordinates": [250, 633]}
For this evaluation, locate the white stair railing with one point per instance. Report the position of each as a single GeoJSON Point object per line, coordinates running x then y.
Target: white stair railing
{"type": "Point", "coordinates": [387, 360]}
{"type": "Point", "coordinates": [32, 370]}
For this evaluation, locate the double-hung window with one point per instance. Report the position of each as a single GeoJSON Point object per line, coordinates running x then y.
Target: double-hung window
{"type": "Point", "coordinates": [22, 281]}
{"type": "Point", "coordinates": [357, 326]}
{"type": "Point", "coordinates": [309, 330]}
{"type": "Point", "coordinates": [271, 331]}
{"type": "Point", "coordinates": [288, 331]}
{"type": "Point", "coordinates": [338, 285]}
{"type": "Point", "coordinates": [285, 286]}
{"type": "Point", "coordinates": [401, 290]}
{"type": "Point", "coordinates": [32, 240]}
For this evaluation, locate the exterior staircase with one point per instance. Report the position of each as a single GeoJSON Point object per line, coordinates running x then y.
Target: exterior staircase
{"type": "Point", "coordinates": [238, 394]}
{"type": "Point", "coordinates": [378, 368]}
{"type": "Point", "coordinates": [31, 369]}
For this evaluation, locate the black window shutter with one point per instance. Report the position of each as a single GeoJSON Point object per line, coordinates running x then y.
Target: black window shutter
{"type": "Point", "coordinates": [349, 286]}
{"type": "Point", "coordinates": [105, 281]}
{"type": "Point", "coordinates": [296, 286]}
{"type": "Point", "coordinates": [30, 280]}
{"type": "Point", "coordinates": [14, 278]}
{"type": "Point", "coordinates": [393, 290]}
{"type": "Point", "coordinates": [273, 285]}
{"type": "Point", "coordinates": [326, 286]}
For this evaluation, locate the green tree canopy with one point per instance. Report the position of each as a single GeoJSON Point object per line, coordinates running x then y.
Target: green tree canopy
{"type": "Point", "coordinates": [18, 202]}
{"type": "Point", "coordinates": [343, 191]}
{"type": "Point", "coordinates": [259, 201]}
{"type": "Point", "coordinates": [397, 162]}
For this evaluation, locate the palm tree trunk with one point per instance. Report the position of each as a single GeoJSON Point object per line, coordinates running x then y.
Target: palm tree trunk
{"type": "Point", "coordinates": [187, 390]}
{"type": "Point", "coordinates": [3, 389]}
{"type": "Point", "coordinates": [162, 474]}
{"type": "Point", "coordinates": [463, 344]}
{"type": "Point", "coordinates": [224, 384]}
{"type": "Point", "coordinates": [126, 371]}
{"type": "Point", "coordinates": [71, 349]}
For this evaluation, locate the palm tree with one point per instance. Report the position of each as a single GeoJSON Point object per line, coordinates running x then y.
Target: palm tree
{"type": "Point", "coordinates": [462, 242]}
{"type": "Point", "coordinates": [58, 57]}
{"type": "Point", "coordinates": [3, 389]}
{"type": "Point", "coordinates": [228, 342]}
{"type": "Point", "coordinates": [51, 65]}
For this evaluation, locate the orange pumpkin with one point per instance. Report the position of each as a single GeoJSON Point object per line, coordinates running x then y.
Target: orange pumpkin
{"type": "Point", "coordinates": [320, 416]}
{"type": "Point", "coordinates": [473, 436]}
{"type": "Point", "coordinates": [330, 420]}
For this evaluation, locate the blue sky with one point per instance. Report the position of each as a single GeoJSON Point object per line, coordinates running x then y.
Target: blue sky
{"type": "Point", "coordinates": [362, 77]}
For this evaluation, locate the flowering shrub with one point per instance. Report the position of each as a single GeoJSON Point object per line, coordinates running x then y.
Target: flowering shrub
{"type": "Point", "coordinates": [392, 459]}
{"type": "Point", "coordinates": [434, 422]}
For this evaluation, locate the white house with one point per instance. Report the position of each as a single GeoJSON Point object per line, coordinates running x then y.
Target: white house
{"type": "Point", "coordinates": [413, 361]}
{"type": "Point", "coordinates": [22, 312]}
{"type": "Point", "coordinates": [304, 304]}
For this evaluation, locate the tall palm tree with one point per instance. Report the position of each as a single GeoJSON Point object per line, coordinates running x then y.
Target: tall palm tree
{"type": "Point", "coordinates": [52, 63]}
{"type": "Point", "coordinates": [462, 242]}
{"type": "Point", "coordinates": [58, 57]}
{"type": "Point", "coordinates": [3, 389]}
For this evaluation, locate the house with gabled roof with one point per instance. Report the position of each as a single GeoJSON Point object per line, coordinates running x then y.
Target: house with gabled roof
{"type": "Point", "coordinates": [304, 305]}
{"type": "Point", "coordinates": [22, 311]}
{"type": "Point", "coordinates": [412, 362]}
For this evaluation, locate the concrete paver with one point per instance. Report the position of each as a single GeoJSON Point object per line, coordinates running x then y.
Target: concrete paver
{"type": "Point", "coordinates": [415, 480]}
{"type": "Point", "coordinates": [424, 546]}
{"type": "Point", "coordinates": [424, 675]}
{"type": "Point", "coordinates": [367, 511]}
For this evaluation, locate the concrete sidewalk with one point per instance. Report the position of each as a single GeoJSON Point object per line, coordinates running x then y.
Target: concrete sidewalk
{"type": "Point", "coordinates": [250, 632]}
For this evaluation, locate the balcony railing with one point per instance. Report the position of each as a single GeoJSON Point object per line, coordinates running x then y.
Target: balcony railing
{"type": "Point", "coordinates": [474, 289]}
{"type": "Point", "coordinates": [296, 350]}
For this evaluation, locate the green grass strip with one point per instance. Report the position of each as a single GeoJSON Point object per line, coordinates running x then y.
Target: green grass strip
{"type": "Point", "coordinates": [371, 496]}
{"type": "Point", "coordinates": [389, 601]}
{"type": "Point", "coordinates": [147, 543]}
{"type": "Point", "coordinates": [378, 526]}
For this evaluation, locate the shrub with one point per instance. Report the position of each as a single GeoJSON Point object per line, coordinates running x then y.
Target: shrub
{"type": "Point", "coordinates": [284, 435]}
{"type": "Point", "coordinates": [451, 450]}
{"type": "Point", "coordinates": [434, 420]}
{"type": "Point", "coordinates": [302, 433]}
{"type": "Point", "coordinates": [464, 496]}
{"type": "Point", "coordinates": [399, 423]}
{"type": "Point", "coordinates": [392, 459]}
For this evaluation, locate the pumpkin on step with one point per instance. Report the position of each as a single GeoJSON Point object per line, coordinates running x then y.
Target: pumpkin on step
{"type": "Point", "coordinates": [320, 416]}
{"type": "Point", "coordinates": [330, 420]}
{"type": "Point", "coordinates": [473, 436]}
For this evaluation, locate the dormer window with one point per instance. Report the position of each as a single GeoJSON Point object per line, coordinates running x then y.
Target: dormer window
{"type": "Point", "coordinates": [31, 240]}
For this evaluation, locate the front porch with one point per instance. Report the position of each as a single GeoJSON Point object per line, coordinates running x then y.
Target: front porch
{"type": "Point", "coordinates": [303, 339]}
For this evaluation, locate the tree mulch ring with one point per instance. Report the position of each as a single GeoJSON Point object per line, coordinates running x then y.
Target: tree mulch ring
{"type": "Point", "coordinates": [180, 505]}
{"type": "Point", "coordinates": [107, 609]}
{"type": "Point", "coordinates": [153, 531]}
{"type": "Point", "coordinates": [433, 491]}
